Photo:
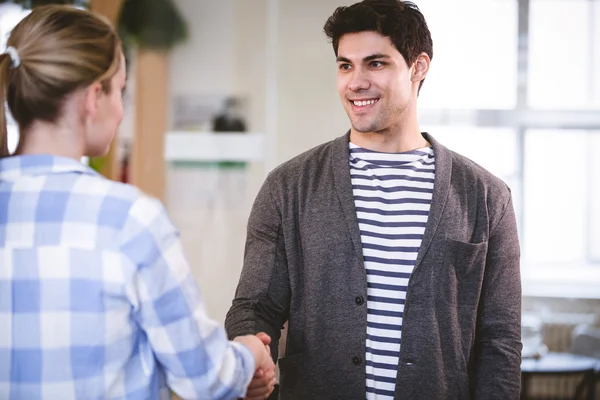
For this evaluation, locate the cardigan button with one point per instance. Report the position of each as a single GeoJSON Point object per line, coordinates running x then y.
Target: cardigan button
{"type": "Point", "coordinates": [359, 300]}
{"type": "Point", "coordinates": [356, 360]}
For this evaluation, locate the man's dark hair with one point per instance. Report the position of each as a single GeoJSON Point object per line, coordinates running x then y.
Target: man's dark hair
{"type": "Point", "coordinates": [399, 20]}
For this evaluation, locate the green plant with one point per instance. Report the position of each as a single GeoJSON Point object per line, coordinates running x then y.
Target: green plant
{"type": "Point", "coordinates": [147, 24]}
{"type": "Point", "coordinates": [152, 24]}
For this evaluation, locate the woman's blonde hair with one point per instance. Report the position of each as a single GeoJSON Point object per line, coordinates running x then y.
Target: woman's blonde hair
{"type": "Point", "coordinates": [56, 50]}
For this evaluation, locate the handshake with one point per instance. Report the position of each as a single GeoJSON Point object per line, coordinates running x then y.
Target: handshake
{"type": "Point", "coordinates": [264, 379]}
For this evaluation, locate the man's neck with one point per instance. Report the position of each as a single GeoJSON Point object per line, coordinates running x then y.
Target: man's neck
{"type": "Point", "coordinates": [399, 141]}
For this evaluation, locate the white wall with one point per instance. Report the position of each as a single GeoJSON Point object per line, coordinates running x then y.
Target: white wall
{"type": "Point", "coordinates": [206, 62]}
{"type": "Point", "coordinates": [310, 112]}
{"type": "Point", "coordinates": [228, 53]}
{"type": "Point", "coordinates": [211, 229]}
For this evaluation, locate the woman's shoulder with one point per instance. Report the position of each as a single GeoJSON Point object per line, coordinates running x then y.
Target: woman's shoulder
{"type": "Point", "coordinates": [118, 197]}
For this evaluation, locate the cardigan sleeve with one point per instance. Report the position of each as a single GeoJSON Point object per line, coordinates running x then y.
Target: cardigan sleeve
{"type": "Point", "coordinates": [497, 372]}
{"type": "Point", "coordinates": [262, 298]}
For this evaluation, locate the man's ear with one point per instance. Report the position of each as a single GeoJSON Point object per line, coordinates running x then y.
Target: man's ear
{"type": "Point", "coordinates": [421, 67]}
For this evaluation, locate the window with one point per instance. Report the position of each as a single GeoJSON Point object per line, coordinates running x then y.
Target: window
{"type": "Point", "coordinates": [474, 54]}
{"type": "Point", "coordinates": [492, 147]}
{"type": "Point", "coordinates": [564, 63]}
{"type": "Point", "coordinates": [560, 178]}
{"type": "Point", "coordinates": [515, 86]}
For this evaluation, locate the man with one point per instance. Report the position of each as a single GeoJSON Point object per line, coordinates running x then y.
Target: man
{"type": "Point", "coordinates": [394, 260]}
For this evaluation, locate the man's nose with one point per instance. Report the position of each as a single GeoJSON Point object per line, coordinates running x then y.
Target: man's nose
{"type": "Point", "coordinates": [359, 81]}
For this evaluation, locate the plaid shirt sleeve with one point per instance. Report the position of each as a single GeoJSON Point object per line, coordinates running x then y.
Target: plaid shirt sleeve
{"type": "Point", "coordinates": [198, 360]}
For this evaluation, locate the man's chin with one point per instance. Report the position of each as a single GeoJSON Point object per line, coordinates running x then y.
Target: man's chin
{"type": "Point", "coordinates": [362, 125]}
{"type": "Point", "coordinates": [364, 128]}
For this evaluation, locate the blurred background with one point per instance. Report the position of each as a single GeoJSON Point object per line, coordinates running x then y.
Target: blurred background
{"type": "Point", "coordinates": [222, 91]}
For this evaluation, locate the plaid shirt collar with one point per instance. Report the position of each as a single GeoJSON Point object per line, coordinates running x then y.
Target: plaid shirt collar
{"type": "Point", "coordinates": [15, 167]}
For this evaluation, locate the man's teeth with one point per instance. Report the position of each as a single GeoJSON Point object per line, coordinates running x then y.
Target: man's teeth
{"type": "Point", "coordinates": [364, 103]}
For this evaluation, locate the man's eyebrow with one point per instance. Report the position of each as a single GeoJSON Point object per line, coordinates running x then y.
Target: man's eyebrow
{"type": "Point", "coordinates": [366, 59]}
{"type": "Point", "coordinates": [375, 57]}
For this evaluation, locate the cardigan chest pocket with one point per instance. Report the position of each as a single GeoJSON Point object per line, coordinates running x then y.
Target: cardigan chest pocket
{"type": "Point", "coordinates": [460, 277]}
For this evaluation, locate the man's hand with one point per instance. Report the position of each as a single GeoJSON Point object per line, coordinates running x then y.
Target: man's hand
{"type": "Point", "coordinates": [264, 379]}
{"type": "Point", "coordinates": [266, 339]}
{"type": "Point", "coordinates": [262, 385]}
{"type": "Point", "coordinates": [263, 382]}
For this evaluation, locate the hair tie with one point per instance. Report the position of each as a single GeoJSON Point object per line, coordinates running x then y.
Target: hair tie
{"type": "Point", "coordinates": [14, 56]}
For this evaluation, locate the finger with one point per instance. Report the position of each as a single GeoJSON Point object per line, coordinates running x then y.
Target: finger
{"type": "Point", "coordinates": [259, 383]}
{"type": "Point", "coordinates": [259, 393]}
{"type": "Point", "coordinates": [260, 376]}
{"type": "Point", "coordinates": [266, 339]}
{"type": "Point", "coordinates": [256, 394]}
{"type": "Point", "coordinates": [268, 377]}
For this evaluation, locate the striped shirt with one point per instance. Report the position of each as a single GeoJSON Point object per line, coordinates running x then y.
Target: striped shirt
{"type": "Point", "coordinates": [392, 194]}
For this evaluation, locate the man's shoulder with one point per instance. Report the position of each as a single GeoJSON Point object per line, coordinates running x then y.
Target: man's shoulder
{"type": "Point", "coordinates": [472, 175]}
{"type": "Point", "coordinates": [465, 164]}
{"type": "Point", "coordinates": [307, 162]}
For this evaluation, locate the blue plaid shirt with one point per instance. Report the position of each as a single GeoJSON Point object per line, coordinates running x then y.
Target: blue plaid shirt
{"type": "Point", "coordinates": [96, 297]}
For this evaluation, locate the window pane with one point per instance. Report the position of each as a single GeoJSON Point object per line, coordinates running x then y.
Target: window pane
{"type": "Point", "coordinates": [559, 184]}
{"type": "Point", "coordinates": [474, 54]}
{"type": "Point", "coordinates": [594, 186]}
{"type": "Point", "coordinates": [596, 52]}
{"type": "Point", "coordinates": [495, 149]}
{"type": "Point", "coordinates": [563, 46]}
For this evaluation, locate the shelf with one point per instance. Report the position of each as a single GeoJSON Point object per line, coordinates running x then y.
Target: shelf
{"type": "Point", "coordinates": [212, 146]}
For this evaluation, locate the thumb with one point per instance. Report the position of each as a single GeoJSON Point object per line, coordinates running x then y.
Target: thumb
{"type": "Point", "coordinates": [266, 339]}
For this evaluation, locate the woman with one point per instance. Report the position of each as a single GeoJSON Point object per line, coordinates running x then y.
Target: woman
{"type": "Point", "coordinates": [96, 298]}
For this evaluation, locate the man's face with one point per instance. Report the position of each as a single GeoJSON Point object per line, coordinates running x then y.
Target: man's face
{"type": "Point", "coordinates": [374, 81]}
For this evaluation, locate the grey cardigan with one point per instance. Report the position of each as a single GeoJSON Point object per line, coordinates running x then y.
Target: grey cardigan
{"type": "Point", "coordinates": [303, 263]}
